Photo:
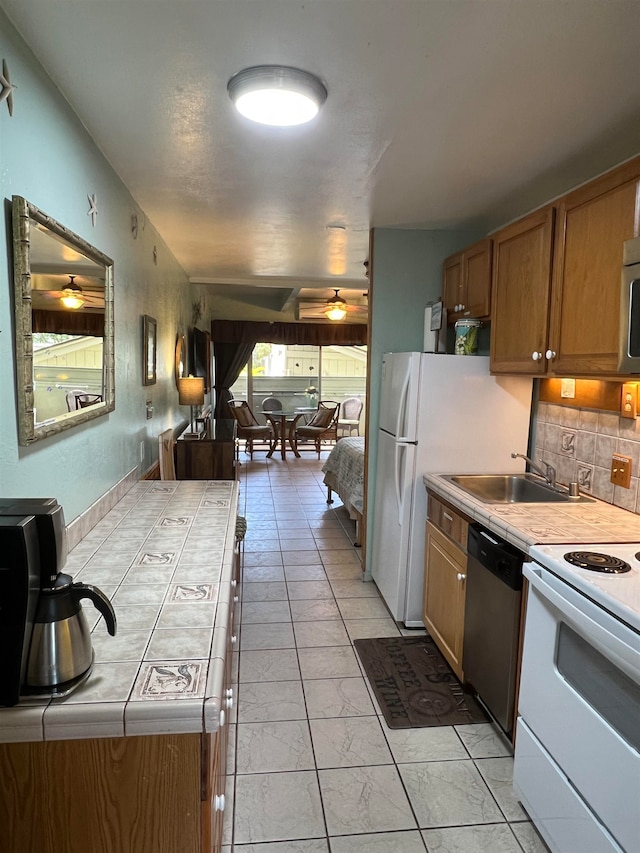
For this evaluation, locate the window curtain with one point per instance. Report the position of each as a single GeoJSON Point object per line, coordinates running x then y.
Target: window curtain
{"type": "Point", "coordinates": [302, 334]}
{"type": "Point", "coordinates": [68, 322]}
{"type": "Point", "coordinates": [229, 360]}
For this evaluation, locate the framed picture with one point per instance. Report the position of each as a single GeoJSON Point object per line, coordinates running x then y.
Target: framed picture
{"type": "Point", "coordinates": [149, 337]}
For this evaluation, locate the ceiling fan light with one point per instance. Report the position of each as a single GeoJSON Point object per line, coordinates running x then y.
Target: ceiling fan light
{"type": "Point", "coordinates": [335, 312]}
{"type": "Point", "coordinates": [277, 95]}
{"type": "Point", "coordinates": [72, 295]}
{"type": "Point", "coordinates": [336, 307]}
{"type": "Point", "coordinates": [69, 300]}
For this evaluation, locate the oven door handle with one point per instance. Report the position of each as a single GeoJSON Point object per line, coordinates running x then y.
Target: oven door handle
{"type": "Point", "coordinates": [610, 646]}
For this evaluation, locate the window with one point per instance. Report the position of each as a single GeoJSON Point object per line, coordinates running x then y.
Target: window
{"type": "Point", "coordinates": [297, 377]}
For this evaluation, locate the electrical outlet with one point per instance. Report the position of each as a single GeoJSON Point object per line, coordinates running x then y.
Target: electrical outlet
{"type": "Point", "coordinates": [142, 451]}
{"type": "Point", "coordinates": [621, 470]}
{"type": "Point", "coordinates": [629, 400]}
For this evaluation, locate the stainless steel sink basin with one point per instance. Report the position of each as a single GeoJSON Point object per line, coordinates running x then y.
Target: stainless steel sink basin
{"type": "Point", "coordinates": [511, 488]}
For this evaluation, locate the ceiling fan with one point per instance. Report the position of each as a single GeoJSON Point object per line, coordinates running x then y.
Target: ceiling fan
{"type": "Point", "coordinates": [71, 296]}
{"type": "Point", "coordinates": [335, 308]}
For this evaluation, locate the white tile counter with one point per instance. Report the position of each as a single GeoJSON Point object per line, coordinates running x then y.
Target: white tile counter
{"type": "Point", "coordinates": [527, 524]}
{"type": "Point", "coordinates": [164, 555]}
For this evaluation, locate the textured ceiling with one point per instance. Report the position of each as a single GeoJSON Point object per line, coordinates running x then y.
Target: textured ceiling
{"type": "Point", "coordinates": [457, 114]}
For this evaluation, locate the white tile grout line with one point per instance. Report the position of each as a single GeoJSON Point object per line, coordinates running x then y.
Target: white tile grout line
{"type": "Point", "coordinates": [378, 715]}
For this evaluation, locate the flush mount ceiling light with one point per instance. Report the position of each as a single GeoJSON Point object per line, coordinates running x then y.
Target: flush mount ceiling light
{"type": "Point", "coordinates": [72, 295]}
{"type": "Point", "coordinates": [277, 95]}
{"type": "Point", "coordinates": [336, 308]}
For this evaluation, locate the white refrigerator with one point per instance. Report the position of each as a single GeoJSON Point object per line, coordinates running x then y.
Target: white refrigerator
{"type": "Point", "coordinates": [439, 414]}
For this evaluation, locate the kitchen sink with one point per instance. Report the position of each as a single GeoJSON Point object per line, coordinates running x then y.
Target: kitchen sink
{"type": "Point", "coordinates": [512, 488]}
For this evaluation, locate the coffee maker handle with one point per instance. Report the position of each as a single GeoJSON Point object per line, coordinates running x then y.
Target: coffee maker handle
{"type": "Point", "coordinates": [100, 601]}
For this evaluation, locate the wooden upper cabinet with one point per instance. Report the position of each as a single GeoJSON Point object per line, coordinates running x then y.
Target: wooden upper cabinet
{"type": "Point", "coordinates": [452, 284]}
{"type": "Point", "coordinates": [477, 266]}
{"type": "Point", "coordinates": [466, 290]}
{"type": "Point", "coordinates": [592, 224]}
{"type": "Point", "coordinates": [521, 294]}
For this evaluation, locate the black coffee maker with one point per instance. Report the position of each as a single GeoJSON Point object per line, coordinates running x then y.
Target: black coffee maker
{"type": "Point", "coordinates": [42, 626]}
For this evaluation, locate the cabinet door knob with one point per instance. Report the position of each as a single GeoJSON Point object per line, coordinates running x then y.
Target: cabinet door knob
{"type": "Point", "coordinates": [218, 802]}
{"type": "Point", "coordinates": [549, 354]}
{"type": "Point", "coordinates": [461, 577]}
{"type": "Point", "coordinates": [536, 356]}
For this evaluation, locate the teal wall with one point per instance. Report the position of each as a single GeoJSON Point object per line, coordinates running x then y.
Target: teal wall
{"type": "Point", "coordinates": [48, 157]}
{"type": "Point", "coordinates": [406, 274]}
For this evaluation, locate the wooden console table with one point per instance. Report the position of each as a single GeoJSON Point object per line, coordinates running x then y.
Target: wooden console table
{"type": "Point", "coordinates": [211, 457]}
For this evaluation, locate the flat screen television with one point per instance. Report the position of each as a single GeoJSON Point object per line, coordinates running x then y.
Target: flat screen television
{"type": "Point", "coordinates": [201, 365]}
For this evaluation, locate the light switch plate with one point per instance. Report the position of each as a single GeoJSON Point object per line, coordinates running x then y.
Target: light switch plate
{"type": "Point", "coordinates": [621, 470]}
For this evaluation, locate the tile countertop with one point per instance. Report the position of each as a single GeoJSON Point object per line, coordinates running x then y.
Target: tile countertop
{"type": "Point", "coordinates": [164, 556]}
{"type": "Point", "coordinates": [524, 525]}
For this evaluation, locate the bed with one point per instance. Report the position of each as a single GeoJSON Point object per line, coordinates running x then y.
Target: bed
{"type": "Point", "coordinates": [344, 474]}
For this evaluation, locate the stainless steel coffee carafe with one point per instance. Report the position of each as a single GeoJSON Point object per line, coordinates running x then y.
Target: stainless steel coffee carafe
{"type": "Point", "coordinates": [61, 655]}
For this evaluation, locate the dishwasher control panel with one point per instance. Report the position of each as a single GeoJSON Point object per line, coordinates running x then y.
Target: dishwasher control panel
{"type": "Point", "coordinates": [497, 556]}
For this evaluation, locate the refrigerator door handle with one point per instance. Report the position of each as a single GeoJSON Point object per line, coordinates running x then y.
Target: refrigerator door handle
{"type": "Point", "coordinates": [402, 408]}
{"type": "Point", "coordinates": [399, 501]}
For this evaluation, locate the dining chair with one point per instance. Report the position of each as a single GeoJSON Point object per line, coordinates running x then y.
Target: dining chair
{"type": "Point", "coordinates": [84, 400]}
{"type": "Point", "coordinates": [271, 404]}
{"type": "Point", "coordinates": [323, 426]}
{"type": "Point", "coordinates": [165, 455]}
{"type": "Point", "coordinates": [71, 398]}
{"type": "Point", "coordinates": [250, 429]}
{"type": "Point", "coordinates": [350, 420]}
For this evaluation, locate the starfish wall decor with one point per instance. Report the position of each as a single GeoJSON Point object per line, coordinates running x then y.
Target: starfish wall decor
{"type": "Point", "coordinates": [7, 90]}
{"type": "Point", "coordinates": [93, 208]}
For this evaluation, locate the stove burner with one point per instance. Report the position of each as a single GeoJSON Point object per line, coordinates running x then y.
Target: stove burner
{"type": "Point", "coordinates": [595, 562]}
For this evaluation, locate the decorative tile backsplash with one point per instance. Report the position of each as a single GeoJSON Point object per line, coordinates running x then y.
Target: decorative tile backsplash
{"type": "Point", "coordinates": [579, 444]}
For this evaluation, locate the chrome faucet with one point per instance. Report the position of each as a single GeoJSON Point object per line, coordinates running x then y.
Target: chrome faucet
{"type": "Point", "coordinates": [548, 473]}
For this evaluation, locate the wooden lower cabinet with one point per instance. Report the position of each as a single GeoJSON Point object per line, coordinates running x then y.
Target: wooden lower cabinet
{"type": "Point", "coordinates": [444, 595]}
{"type": "Point", "coordinates": [212, 457]}
{"type": "Point", "coordinates": [213, 802]}
{"type": "Point", "coordinates": [144, 794]}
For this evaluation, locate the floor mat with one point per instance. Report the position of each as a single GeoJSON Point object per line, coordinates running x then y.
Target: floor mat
{"type": "Point", "coordinates": [414, 685]}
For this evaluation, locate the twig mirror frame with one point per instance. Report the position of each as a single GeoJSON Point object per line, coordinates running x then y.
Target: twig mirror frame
{"type": "Point", "coordinates": [24, 216]}
{"type": "Point", "coordinates": [149, 349]}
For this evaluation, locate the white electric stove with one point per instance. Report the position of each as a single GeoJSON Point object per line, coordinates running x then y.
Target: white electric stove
{"type": "Point", "coordinates": [617, 591]}
{"type": "Point", "coordinates": [577, 755]}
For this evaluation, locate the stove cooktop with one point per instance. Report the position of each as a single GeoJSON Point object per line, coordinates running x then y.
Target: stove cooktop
{"type": "Point", "coordinates": [618, 591]}
{"type": "Point", "coordinates": [594, 561]}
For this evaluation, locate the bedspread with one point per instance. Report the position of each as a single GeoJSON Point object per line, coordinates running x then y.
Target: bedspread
{"type": "Point", "coordinates": [344, 472]}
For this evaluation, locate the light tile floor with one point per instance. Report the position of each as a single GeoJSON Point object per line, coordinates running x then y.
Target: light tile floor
{"type": "Point", "coordinates": [315, 768]}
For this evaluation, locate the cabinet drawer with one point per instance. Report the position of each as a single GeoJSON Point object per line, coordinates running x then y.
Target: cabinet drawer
{"type": "Point", "coordinates": [450, 522]}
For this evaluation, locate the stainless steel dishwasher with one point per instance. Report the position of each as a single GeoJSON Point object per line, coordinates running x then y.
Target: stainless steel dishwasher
{"type": "Point", "coordinates": [492, 621]}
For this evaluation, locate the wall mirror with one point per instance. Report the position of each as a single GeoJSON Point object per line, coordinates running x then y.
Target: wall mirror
{"type": "Point", "coordinates": [64, 326]}
{"type": "Point", "coordinates": [181, 358]}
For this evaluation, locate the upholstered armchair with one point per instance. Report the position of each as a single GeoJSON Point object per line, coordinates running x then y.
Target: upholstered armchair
{"type": "Point", "coordinates": [250, 429]}
{"type": "Point", "coordinates": [323, 426]}
{"type": "Point", "coordinates": [350, 420]}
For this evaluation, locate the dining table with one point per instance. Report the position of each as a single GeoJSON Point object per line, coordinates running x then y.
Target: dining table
{"type": "Point", "coordinates": [282, 419]}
